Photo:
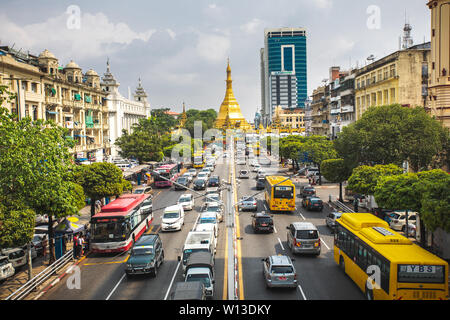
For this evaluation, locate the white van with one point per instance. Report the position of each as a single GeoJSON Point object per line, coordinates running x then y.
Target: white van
{"type": "Point", "coordinates": [208, 218]}
{"type": "Point", "coordinates": [173, 218]}
{"type": "Point", "coordinates": [198, 241]}
{"type": "Point", "coordinates": [6, 268]}
{"type": "Point", "coordinates": [123, 166]}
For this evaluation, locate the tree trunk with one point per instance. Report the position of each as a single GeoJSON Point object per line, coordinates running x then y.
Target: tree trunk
{"type": "Point", "coordinates": [340, 192]}
{"type": "Point", "coordinates": [51, 243]}
{"type": "Point", "coordinates": [93, 207]}
{"type": "Point", "coordinates": [320, 175]}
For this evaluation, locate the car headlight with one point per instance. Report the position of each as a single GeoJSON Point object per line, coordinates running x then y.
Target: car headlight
{"type": "Point", "coordinates": [129, 265]}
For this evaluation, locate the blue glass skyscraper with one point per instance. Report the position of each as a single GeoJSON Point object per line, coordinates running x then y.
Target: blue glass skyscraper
{"type": "Point", "coordinates": [283, 70]}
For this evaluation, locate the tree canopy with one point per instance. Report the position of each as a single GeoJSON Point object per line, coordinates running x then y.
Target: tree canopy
{"type": "Point", "coordinates": [336, 170]}
{"type": "Point", "coordinates": [392, 134]}
{"type": "Point", "coordinates": [364, 179]}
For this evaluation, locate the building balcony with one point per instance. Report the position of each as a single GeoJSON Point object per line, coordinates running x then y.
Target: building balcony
{"type": "Point", "coordinates": [52, 100]}
{"type": "Point", "coordinates": [33, 96]}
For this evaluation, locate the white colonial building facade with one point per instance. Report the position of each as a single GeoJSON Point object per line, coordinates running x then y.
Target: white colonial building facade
{"type": "Point", "coordinates": [123, 113]}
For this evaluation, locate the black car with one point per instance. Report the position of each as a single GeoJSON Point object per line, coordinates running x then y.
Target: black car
{"type": "Point", "coordinates": [261, 221]}
{"type": "Point", "coordinates": [307, 191]}
{"type": "Point", "coordinates": [214, 181]}
{"type": "Point", "coordinates": [260, 183]}
{"type": "Point", "coordinates": [312, 203]}
{"type": "Point", "coordinates": [200, 184]}
{"type": "Point", "coordinates": [181, 183]}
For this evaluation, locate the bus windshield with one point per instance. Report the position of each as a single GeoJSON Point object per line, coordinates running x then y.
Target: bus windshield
{"type": "Point", "coordinates": [283, 193]}
{"type": "Point", "coordinates": [109, 230]}
{"type": "Point", "coordinates": [420, 273]}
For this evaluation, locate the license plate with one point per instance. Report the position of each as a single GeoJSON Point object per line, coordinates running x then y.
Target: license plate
{"type": "Point", "coordinates": [282, 278]}
{"type": "Point", "coordinates": [424, 295]}
{"type": "Point", "coordinates": [264, 225]}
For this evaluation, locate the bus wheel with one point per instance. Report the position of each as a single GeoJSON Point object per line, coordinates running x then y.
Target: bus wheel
{"type": "Point", "coordinates": [342, 263]}
{"type": "Point", "coordinates": [369, 293]}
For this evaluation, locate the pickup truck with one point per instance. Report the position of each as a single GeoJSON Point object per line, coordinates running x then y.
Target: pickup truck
{"type": "Point", "coordinates": [198, 241]}
{"type": "Point", "coordinates": [200, 267]}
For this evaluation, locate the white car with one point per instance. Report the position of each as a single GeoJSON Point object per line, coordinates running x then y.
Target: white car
{"type": "Point", "coordinates": [188, 176]}
{"type": "Point", "coordinates": [398, 220]}
{"type": "Point", "coordinates": [6, 268]}
{"type": "Point", "coordinates": [17, 256]}
{"type": "Point", "coordinates": [203, 175]}
{"type": "Point", "coordinates": [186, 201]}
{"type": "Point", "coordinates": [173, 218]}
{"type": "Point", "coordinates": [208, 218]}
{"type": "Point", "coordinates": [193, 172]}
{"type": "Point", "coordinates": [240, 161]}
{"type": "Point", "coordinates": [256, 167]}
{"type": "Point", "coordinates": [212, 197]}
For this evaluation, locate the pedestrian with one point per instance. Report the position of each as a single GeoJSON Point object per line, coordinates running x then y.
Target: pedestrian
{"type": "Point", "coordinates": [88, 238]}
{"type": "Point", "coordinates": [98, 205]}
{"type": "Point", "coordinates": [355, 204]}
{"type": "Point", "coordinates": [75, 246]}
{"type": "Point", "coordinates": [80, 245]}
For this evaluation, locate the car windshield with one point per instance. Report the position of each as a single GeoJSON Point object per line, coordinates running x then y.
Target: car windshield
{"type": "Point", "coordinates": [264, 219]}
{"type": "Point", "coordinates": [185, 199]}
{"type": "Point", "coordinates": [244, 171]}
{"type": "Point", "coordinates": [141, 251]}
{"type": "Point", "coordinates": [213, 208]}
{"type": "Point", "coordinates": [282, 269]}
{"type": "Point", "coordinates": [171, 215]}
{"type": "Point", "coordinates": [182, 179]}
{"type": "Point", "coordinates": [212, 198]}
{"type": "Point", "coordinates": [208, 220]}
{"type": "Point", "coordinates": [138, 191]}
{"type": "Point", "coordinates": [307, 234]}
{"type": "Point", "coordinates": [204, 278]}
{"type": "Point", "coordinates": [248, 199]}
{"type": "Point", "coordinates": [199, 182]}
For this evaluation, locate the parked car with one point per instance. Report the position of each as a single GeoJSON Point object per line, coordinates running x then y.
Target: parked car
{"type": "Point", "coordinates": [331, 219]}
{"type": "Point", "coordinates": [37, 242]}
{"type": "Point", "coordinates": [173, 218]}
{"type": "Point", "coordinates": [143, 190]}
{"type": "Point", "coordinates": [260, 183]}
{"type": "Point", "coordinates": [214, 181]}
{"type": "Point", "coordinates": [16, 256]}
{"type": "Point", "coordinates": [307, 191]}
{"type": "Point", "coordinates": [147, 254]}
{"type": "Point", "coordinates": [312, 203]}
{"type": "Point", "coordinates": [200, 184]}
{"type": "Point", "coordinates": [398, 220]}
{"type": "Point", "coordinates": [6, 268]}
{"type": "Point", "coordinates": [244, 174]}
{"type": "Point", "coordinates": [181, 183]}
{"type": "Point", "coordinates": [186, 201]}
{"type": "Point", "coordinates": [262, 221]}
{"type": "Point", "coordinates": [248, 203]}
{"type": "Point", "coordinates": [303, 237]}
{"type": "Point", "coordinates": [41, 219]}
{"type": "Point", "coordinates": [279, 271]}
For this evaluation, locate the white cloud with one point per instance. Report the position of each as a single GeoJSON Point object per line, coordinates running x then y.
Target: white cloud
{"type": "Point", "coordinates": [213, 48]}
{"type": "Point", "coordinates": [212, 6]}
{"type": "Point", "coordinates": [252, 26]}
{"type": "Point", "coordinates": [323, 4]}
{"type": "Point", "coordinates": [171, 33]}
{"type": "Point", "coordinates": [96, 36]}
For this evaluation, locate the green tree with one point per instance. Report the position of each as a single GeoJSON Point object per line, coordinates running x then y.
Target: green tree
{"type": "Point", "coordinates": [336, 170]}
{"type": "Point", "coordinates": [318, 149]}
{"type": "Point", "coordinates": [141, 145]}
{"type": "Point", "coordinates": [101, 180]}
{"type": "Point", "coordinates": [364, 179]}
{"type": "Point", "coordinates": [16, 224]}
{"type": "Point", "coordinates": [392, 134]}
{"type": "Point", "coordinates": [207, 118]}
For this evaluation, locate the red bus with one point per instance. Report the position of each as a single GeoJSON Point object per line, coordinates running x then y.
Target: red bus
{"type": "Point", "coordinates": [120, 223]}
{"type": "Point", "coordinates": [167, 171]}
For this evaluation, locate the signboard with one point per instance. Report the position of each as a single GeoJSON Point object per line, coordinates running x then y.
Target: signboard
{"type": "Point", "coordinates": [282, 73]}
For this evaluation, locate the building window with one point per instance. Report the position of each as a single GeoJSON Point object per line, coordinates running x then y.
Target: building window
{"type": "Point", "coordinates": [386, 97]}
{"type": "Point", "coordinates": [34, 87]}
{"type": "Point", "coordinates": [287, 58]}
{"type": "Point", "coordinates": [392, 95]}
{"type": "Point", "coordinates": [392, 70]}
{"type": "Point", "coordinates": [379, 97]}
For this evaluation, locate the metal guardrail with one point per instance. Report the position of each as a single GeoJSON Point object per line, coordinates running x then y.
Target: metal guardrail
{"type": "Point", "coordinates": [342, 206]}
{"type": "Point", "coordinates": [31, 285]}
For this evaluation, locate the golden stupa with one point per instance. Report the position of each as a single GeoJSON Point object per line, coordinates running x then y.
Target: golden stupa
{"type": "Point", "coordinates": [230, 116]}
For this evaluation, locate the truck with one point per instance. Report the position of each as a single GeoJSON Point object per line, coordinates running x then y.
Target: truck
{"type": "Point", "coordinates": [198, 241]}
{"type": "Point", "coordinates": [200, 267]}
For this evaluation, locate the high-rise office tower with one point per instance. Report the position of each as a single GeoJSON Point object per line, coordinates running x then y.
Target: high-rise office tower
{"type": "Point", "coordinates": [283, 70]}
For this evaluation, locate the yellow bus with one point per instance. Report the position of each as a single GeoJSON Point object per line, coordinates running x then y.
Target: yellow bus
{"type": "Point", "coordinates": [256, 149]}
{"type": "Point", "coordinates": [280, 193]}
{"type": "Point", "coordinates": [199, 160]}
{"type": "Point", "coordinates": [386, 265]}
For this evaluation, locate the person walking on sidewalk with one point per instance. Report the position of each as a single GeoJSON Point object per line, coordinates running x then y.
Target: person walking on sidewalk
{"type": "Point", "coordinates": [80, 245]}
{"type": "Point", "coordinates": [75, 246]}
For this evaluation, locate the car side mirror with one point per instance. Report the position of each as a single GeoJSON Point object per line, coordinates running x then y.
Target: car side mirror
{"type": "Point", "coordinates": [179, 258]}
{"type": "Point", "coordinates": [287, 228]}
{"type": "Point", "coordinates": [213, 281]}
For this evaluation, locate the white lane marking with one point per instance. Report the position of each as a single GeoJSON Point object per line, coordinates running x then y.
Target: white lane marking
{"type": "Point", "coordinates": [280, 243]}
{"type": "Point", "coordinates": [171, 282]}
{"type": "Point", "coordinates": [324, 243]}
{"type": "Point", "coordinates": [301, 215]}
{"type": "Point", "coordinates": [275, 229]}
{"type": "Point", "coordinates": [302, 292]}
{"type": "Point", "coordinates": [109, 296]}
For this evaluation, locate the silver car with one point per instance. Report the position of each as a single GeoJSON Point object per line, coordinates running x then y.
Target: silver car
{"type": "Point", "coordinates": [331, 219]}
{"type": "Point", "coordinates": [248, 203]}
{"type": "Point", "coordinates": [279, 271]}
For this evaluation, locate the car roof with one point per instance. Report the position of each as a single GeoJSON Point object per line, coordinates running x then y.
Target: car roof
{"type": "Point", "coordinates": [213, 204]}
{"type": "Point", "coordinates": [280, 260]}
{"type": "Point", "coordinates": [262, 215]}
{"type": "Point", "coordinates": [172, 208]}
{"type": "Point", "coordinates": [146, 239]}
{"type": "Point", "coordinates": [207, 214]}
{"type": "Point", "coordinates": [304, 226]}
{"type": "Point", "coordinates": [186, 195]}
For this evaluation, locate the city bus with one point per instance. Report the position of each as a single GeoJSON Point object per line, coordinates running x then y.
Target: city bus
{"type": "Point", "coordinates": [385, 264]}
{"type": "Point", "coordinates": [256, 149]}
{"type": "Point", "coordinates": [166, 175]}
{"type": "Point", "coordinates": [120, 223]}
{"type": "Point", "coordinates": [280, 193]}
{"type": "Point", "coordinates": [199, 160]}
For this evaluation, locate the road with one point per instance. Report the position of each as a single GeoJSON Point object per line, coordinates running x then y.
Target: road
{"type": "Point", "coordinates": [102, 277]}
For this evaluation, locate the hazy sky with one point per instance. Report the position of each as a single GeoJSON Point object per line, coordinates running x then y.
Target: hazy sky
{"type": "Point", "coordinates": [180, 47]}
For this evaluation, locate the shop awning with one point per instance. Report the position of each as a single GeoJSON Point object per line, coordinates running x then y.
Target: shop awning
{"type": "Point", "coordinates": [52, 112]}
{"type": "Point", "coordinates": [77, 97]}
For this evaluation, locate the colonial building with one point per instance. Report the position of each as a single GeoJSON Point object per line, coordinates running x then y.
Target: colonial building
{"type": "Point", "coordinates": [288, 120]}
{"type": "Point", "coordinates": [438, 102]}
{"type": "Point", "coordinates": [46, 90]}
{"type": "Point", "coordinates": [400, 77]}
{"type": "Point", "coordinates": [123, 113]}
